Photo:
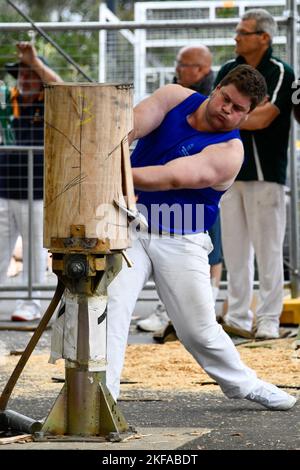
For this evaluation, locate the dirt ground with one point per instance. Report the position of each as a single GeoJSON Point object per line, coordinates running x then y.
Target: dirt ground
{"type": "Point", "coordinates": [167, 367]}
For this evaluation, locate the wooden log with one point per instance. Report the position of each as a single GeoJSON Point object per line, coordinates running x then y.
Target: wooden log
{"type": "Point", "coordinates": [86, 161]}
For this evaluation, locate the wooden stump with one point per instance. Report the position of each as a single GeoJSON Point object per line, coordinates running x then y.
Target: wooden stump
{"type": "Point", "coordinates": [87, 163]}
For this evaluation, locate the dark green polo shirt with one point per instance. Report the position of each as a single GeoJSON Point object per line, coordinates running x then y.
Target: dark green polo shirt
{"type": "Point", "coordinates": [266, 149]}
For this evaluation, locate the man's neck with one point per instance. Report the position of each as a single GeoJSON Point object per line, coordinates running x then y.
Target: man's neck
{"type": "Point", "coordinates": [198, 118]}
{"type": "Point", "coordinates": [255, 58]}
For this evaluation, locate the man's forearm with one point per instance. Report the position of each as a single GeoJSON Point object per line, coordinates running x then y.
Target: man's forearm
{"type": "Point", "coordinates": [215, 166]}
{"type": "Point", "coordinates": [153, 178]}
{"type": "Point", "coordinates": [261, 117]}
{"type": "Point", "coordinates": [44, 72]}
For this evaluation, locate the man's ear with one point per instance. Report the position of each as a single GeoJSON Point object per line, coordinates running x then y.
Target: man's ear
{"type": "Point", "coordinates": [266, 38]}
{"type": "Point", "coordinates": [214, 90]}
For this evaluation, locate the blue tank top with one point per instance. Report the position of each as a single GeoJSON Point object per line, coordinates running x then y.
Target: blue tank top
{"type": "Point", "coordinates": [182, 211]}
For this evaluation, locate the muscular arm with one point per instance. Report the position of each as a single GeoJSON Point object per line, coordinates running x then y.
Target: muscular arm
{"type": "Point", "coordinates": [216, 166]}
{"type": "Point", "coordinates": [150, 112]}
{"type": "Point", "coordinates": [261, 117]}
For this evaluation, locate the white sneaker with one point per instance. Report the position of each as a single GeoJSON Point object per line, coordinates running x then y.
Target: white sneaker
{"type": "Point", "coordinates": [156, 321]}
{"type": "Point", "coordinates": [26, 311]}
{"type": "Point", "coordinates": [271, 397]}
{"type": "Point", "coordinates": [267, 331]}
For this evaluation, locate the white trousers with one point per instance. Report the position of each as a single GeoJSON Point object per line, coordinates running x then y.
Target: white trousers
{"type": "Point", "coordinates": [14, 222]}
{"type": "Point", "coordinates": [182, 276]}
{"type": "Point", "coordinates": [253, 217]}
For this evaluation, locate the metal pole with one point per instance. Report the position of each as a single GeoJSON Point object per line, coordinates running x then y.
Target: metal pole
{"type": "Point", "coordinates": [294, 216]}
{"type": "Point", "coordinates": [132, 25]}
{"type": "Point", "coordinates": [10, 419]}
{"type": "Point", "coordinates": [30, 220]}
{"type": "Point", "coordinates": [102, 46]}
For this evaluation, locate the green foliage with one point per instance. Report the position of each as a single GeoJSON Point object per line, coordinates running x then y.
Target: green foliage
{"type": "Point", "coordinates": [227, 12]}
{"type": "Point", "coordinates": [82, 46]}
{"type": "Point", "coordinates": [8, 40]}
{"type": "Point", "coordinates": [62, 10]}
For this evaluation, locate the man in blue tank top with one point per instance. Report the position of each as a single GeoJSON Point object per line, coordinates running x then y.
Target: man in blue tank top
{"type": "Point", "coordinates": [194, 71]}
{"type": "Point", "coordinates": [188, 155]}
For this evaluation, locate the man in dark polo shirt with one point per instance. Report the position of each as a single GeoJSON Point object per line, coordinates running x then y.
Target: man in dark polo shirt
{"type": "Point", "coordinates": [253, 210]}
{"type": "Point", "coordinates": [24, 127]}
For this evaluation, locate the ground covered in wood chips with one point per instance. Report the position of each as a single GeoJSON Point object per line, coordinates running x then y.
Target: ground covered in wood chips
{"type": "Point", "coordinates": [167, 367]}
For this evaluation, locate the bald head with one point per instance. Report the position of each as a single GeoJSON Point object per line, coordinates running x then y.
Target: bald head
{"type": "Point", "coordinates": [193, 64]}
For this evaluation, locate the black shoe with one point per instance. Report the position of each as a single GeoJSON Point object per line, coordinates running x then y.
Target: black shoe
{"type": "Point", "coordinates": [235, 331]}
{"type": "Point", "coordinates": [166, 334]}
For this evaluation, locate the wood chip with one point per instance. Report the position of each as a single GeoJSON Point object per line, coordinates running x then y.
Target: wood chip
{"type": "Point", "coordinates": [200, 433]}
{"type": "Point", "coordinates": [15, 439]}
{"type": "Point", "coordinates": [135, 436]}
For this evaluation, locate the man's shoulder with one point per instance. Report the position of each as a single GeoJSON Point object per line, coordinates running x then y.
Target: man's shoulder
{"type": "Point", "coordinates": [227, 67]}
{"type": "Point", "coordinates": [205, 85]}
{"type": "Point", "coordinates": [174, 89]}
{"type": "Point", "coordinates": [172, 95]}
{"type": "Point", "coordinates": [230, 64]}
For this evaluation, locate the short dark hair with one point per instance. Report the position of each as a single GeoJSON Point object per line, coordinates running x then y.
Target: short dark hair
{"type": "Point", "coordinates": [247, 81]}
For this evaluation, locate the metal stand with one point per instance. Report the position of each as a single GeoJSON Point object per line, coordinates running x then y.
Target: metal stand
{"type": "Point", "coordinates": [84, 408]}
